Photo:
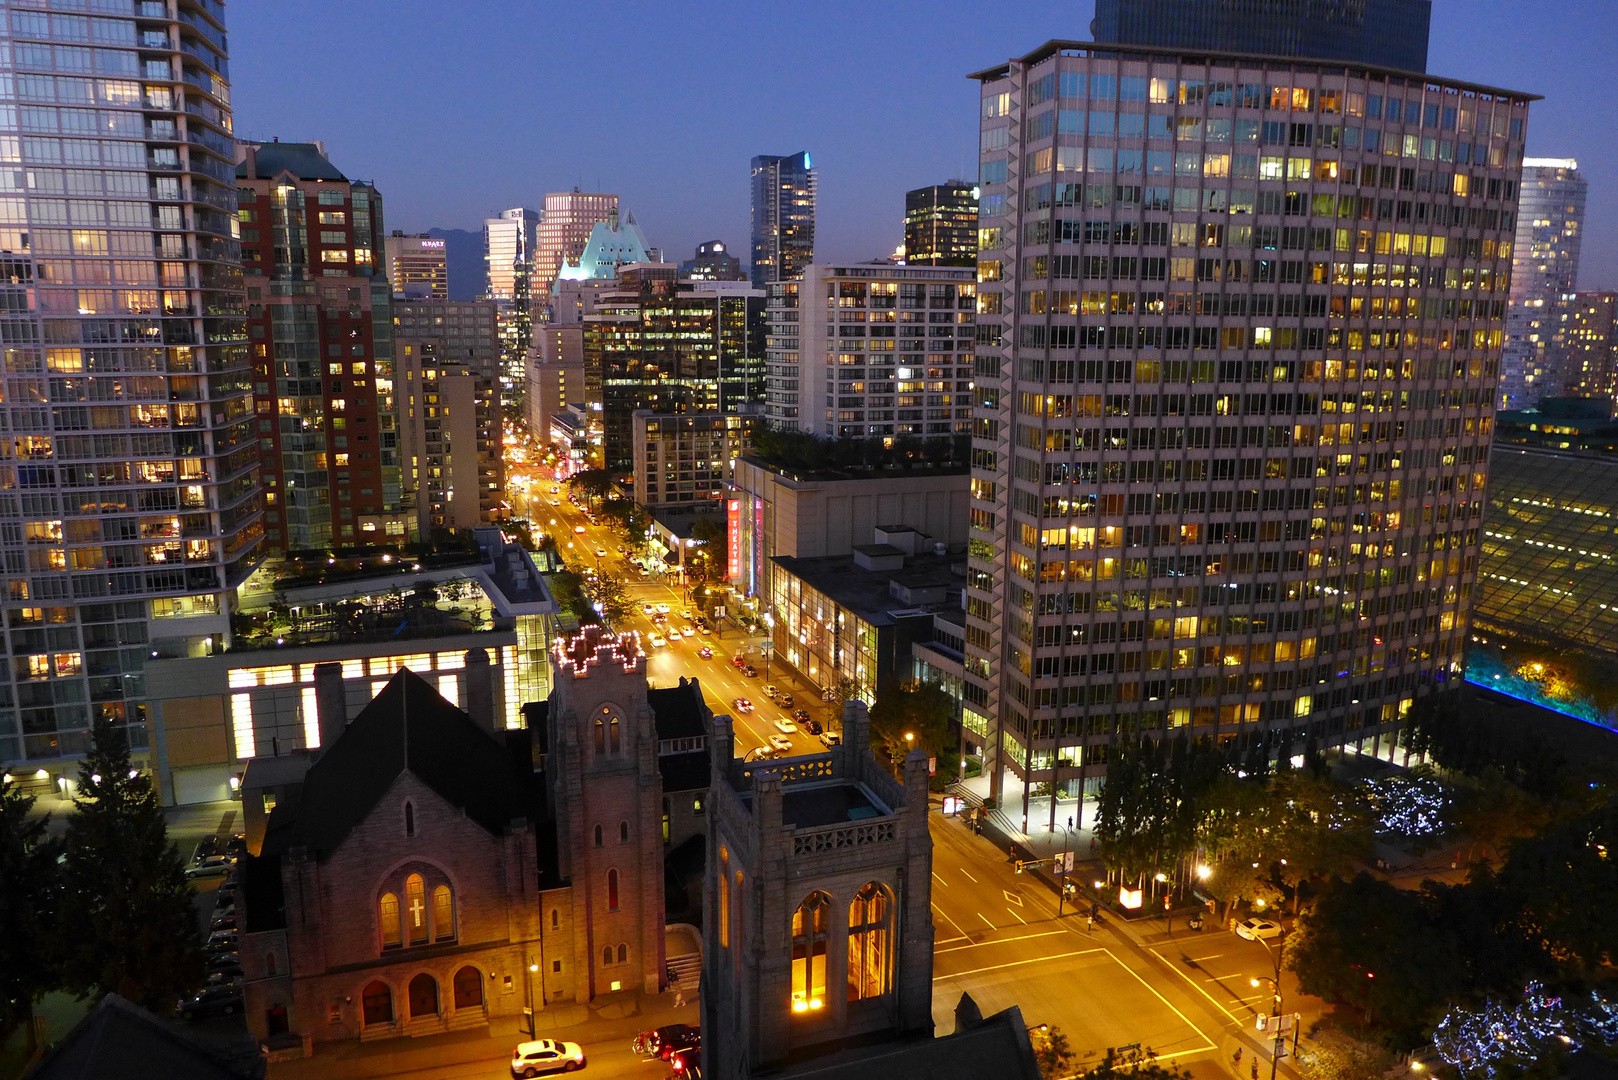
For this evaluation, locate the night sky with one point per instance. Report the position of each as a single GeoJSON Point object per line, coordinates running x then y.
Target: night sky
{"type": "Point", "coordinates": [457, 110]}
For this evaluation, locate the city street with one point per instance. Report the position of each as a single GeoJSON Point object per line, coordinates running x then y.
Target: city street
{"type": "Point", "coordinates": [722, 682]}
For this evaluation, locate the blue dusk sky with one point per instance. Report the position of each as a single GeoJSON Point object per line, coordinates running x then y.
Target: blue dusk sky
{"type": "Point", "coordinates": [456, 110]}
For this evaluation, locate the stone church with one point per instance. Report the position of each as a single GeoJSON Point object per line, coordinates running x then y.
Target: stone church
{"type": "Point", "coordinates": [430, 872]}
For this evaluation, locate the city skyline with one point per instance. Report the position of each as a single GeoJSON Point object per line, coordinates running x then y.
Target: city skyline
{"type": "Point", "coordinates": [684, 167]}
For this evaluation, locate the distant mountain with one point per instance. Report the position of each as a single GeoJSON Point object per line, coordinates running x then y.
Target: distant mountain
{"type": "Point", "coordinates": [464, 253]}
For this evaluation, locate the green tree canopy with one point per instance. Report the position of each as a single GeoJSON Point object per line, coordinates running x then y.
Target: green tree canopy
{"type": "Point", "coordinates": [133, 925]}
{"type": "Point", "coordinates": [923, 710]}
{"type": "Point", "coordinates": [29, 893]}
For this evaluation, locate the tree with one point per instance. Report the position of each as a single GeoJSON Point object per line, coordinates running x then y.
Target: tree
{"type": "Point", "coordinates": [712, 547]}
{"type": "Point", "coordinates": [131, 923]}
{"type": "Point", "coordinates": [606, 594]}
{"type": "Point", "coordinates": [595, 483]}
{"type": "Point", "coordinates": [29, 888]}
{"type": "Point", "coordinates": [1135, 1065]}
{"type": "Point", "coordinates": [1051, 1051]}
{"type": "Point", "coordinates": [923, 710]}
{"type": "Point", "coordinates": [839, 692]}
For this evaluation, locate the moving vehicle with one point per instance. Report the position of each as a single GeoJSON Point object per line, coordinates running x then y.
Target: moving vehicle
{"type": "Point", "coordinates": [688, 631]}
{"type": "Point", "coordinates": [705, 652]}
{"type": "Point", "coordinates": [763, 753]}
{"type": "Point", "coordinates": [743, 705]}
{"type": "Point", "coordinates": [662, 609]}
{"type": "Point", "coordinates": [579, 529]}
{"type": "Point", "coordinates": [1257, 929]}
{"type": "Point", "coordinates": [648, 610]}
{"type": "Point", "coordinates": [784, 725]}
{"type": "Point", "coordinates": [601, 553]}
{"type": "Point", "coordinates": [781, 743]}
{"type": "Point", "coordinates": [221, 999]}
{"type": "Point", "coordinates": [546, 1056]}
{"type": "Point", "coordinates": [658, 641]}
{"type": "Point", "coordinates": [666, 1041]}
{"type": "Point", "coordinates": [686, 614]}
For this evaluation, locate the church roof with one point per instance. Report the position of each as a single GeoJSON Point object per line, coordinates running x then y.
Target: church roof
{"type": "Point", "coordinates": [408, 727]}
{"type": "Point", "coordinates": [995, 1046]}
{"type": "Point", "coordinates": [119, 1038]}
{"type": "Point", "coordinates": [611, 244]}
{"type": "Point", "coordinates": [678, 710]}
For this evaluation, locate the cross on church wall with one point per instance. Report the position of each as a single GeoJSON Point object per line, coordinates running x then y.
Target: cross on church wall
{"type": "Point", "coordinates": [417, 910]}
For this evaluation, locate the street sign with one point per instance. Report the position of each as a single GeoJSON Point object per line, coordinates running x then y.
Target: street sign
{"type": "Point", "coordinates": [953, 804]}
{"type": "Point", "coordinates": [767, 645]}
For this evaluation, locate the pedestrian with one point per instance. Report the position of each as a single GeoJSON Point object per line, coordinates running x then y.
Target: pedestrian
{"type": "Point", "coordinates": [679, 997]}
{"type": "Point", "coordinates": [1236, 1058]}
{"type": "Point", "coordinates": [1255, 1068]}
{"type": "Point", "coordinates": [1090, 925]}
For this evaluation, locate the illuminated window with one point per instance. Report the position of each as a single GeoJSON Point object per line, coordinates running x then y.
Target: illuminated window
{"type": "Point", "coordinates": [416, 908]}
{"type": "Point", "coordinates": [810, 924]}
{"type": "Point", "coordinates": [241, 722]}
{"type": "Point", "coordinates": [870, 943]}
{"type": "Point", "coordinates": [612, 890]}
{"type": "Point", "coordinates": [388, 919]}
{"type": "Point", "coordinates": [443, 914]}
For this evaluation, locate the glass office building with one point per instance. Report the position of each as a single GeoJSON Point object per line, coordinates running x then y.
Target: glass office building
{"type": "Point", "coordinates": [783, 234]}
{"type": "Point", "coordinates": [129, 490]}
{"type": "Point", "coordinates": [1544, 273]}
{"type": "Point", "coordinates": [1239, 329]}
{"type": "Point", "coordinates": [1388, 33]}
{"type": "Point", "coordinates": [941, 225]}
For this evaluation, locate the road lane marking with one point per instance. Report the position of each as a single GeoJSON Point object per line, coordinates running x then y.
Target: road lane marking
{"type": "Point", "coordinates": [991, 925]}
{"type": "Point", "coordinates": [1034, 960]}
{"type": "Point", "coordinates": [1215, 1002]}
{"type": "Point", "coordinates": [1011, 897]}
{"type": "Point", "coordinates": [958, 927]}
{"type": "Point", "coordinates": [1211, 1044]}
{"type": "Point", "coordinates": [941, 881]}
{"type": "Point", "coordinates": [1200, 959]}
{"type": "Point", "coordinates": [1019, 918]}
{"type": "Point", "coordinates": [996, 941]}
{"type": "Point", "coordinates": [946, 941]}
{"type": "Point", "coordinates": [969, 877]}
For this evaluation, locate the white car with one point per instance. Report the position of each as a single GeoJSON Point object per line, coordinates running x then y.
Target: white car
{"type": "Point", "coordinates": [601, 553]}
{"type": "Point", "coordinates": [781, 743]}
{"type": "Point", "coordinates": [686, 614]}
{"type": "Point", "coordinates": [658, 641]}
{"type": "Point", "coordinates": [688, 631]}
{"type": "Point", "coordinates": [662, 609]}
{"type": "Point", "coordinates": [784, 725]}
{"type": "Point", "coordinates": [546, 1056]}
{"type": "Point", "coordinates": [1257, 929]}
{"type": "Point", "coordinates": [647, 610]}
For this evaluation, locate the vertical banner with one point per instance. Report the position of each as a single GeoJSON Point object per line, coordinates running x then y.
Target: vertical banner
{"type": "Point", "coordinates": [733, 551]}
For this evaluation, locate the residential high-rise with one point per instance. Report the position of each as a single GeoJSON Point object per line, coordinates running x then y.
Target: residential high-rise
{"type": "Point", "coordinates": [466, 330]}
{"type": "Point", "coordinates": [1390, 33]}
{"type": "Point", "coordinates": [670, 346]}
{"type": "Point", "coordinates": [783, 234]}
{"type": "Point", "coordinates": [1237, 353]}
{"type": "Point", "coordinates": [509, 251]}
{"type": "Point", "coordinates": [564, 227]}
{"type": "Point", "coordinates": [872, 349]}
{"type": "Point", "coordinates": [1592, 345]}
{"type": "Point", "coordinates": [941, 225]}
{"type": "Point", "coordinates": [129, 492]}
{"type": "Point", "coordinates": [321, 325]}
{"type": "Point", "coordinates": [1544, 274]}
{"type": "Point", "coordinates": [713, 262]}
{"type": "Point", "coordinates": [449, 416]}
{"type": "Point", "coordinates": [417, 266]}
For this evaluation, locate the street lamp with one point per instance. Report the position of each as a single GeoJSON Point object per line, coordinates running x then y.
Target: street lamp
{"type": "Point", "coordinates": [1066, 872]}
{"type": "Point", "coordinates": [1275, 1006]}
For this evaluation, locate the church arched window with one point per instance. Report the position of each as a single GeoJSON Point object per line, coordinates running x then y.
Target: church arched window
{"type": "Point", "coordinates": [623, 953]}
{"type": "Point", "coordinates": [443, 914]}
{"type": "Point", "coordinates": [598, 835]}
{"type": "Point", "coordinates": [870, 943]}
{"type": "Point", "coordinates": [387, 917]}
{"type": "Point", "coordinates": [810, 930]}
{"type": "Point", "coordinates": [606, 955]}
{"type": "Point", "coordinates": [612, 890]}
{"type": "Point", "coordinates": [410, 819]}
{"type": "Point", "coordinates": [623, 832]}
{"type": "Point", "coordinates": [612, 736]}
{"type": "Point", "coordinates": [600, 736]}
{"type": "Point", "coordinates": [415, 909]}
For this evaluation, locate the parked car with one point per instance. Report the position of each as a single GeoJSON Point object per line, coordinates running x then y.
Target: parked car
{"type": "Point", "coordinates": [785, 700]}
{"type": "Point", "coordinates": [812, 727]}
{"type": "Point", "coordinates": [705, 652]}
{"type": "Point", "coordinates": [781, 743]}
{"type": "Point", "coordinates": [738, 662]}
{"type": "Point", "coordinates": [225, 965]}
{"type": "Point", "coordinates": [830, 740]}
{"type": "Point", "coordinates": [785, 725]}
{"type": "Point", "coordinates": [750, 671]}
{"type": "Point", "coordinates": [743, 705]}
{"type": "Point", "coordinates": [686, 1064]}
{"type": "Point", "coordinates": [221, 999]}
{"type": "Point", "coordinates": [546, 1056]}
{"type": "Point", "coordinates": [801, 715]}
{"type": "Point", "coordinates": [211, 866]}
{"type": "Point", "coordinates": [666, 1041]}
{"type": "Point", "coordinates": [1257, 929]}
{"type": "Point", "coordinates": [223, 920]}
{"type": "Point", "coordinates": [220, 941]}
{"type": "Point", "coordinates": [768, 689]}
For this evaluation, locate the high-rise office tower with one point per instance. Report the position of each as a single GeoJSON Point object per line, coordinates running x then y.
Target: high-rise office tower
{"type": "Point", "coordinates": [321, 325]}
{"type": "Point", "coordinates": [873, 349]}
{"type": "Point", "coordinates": [783, 234]}
{"type": "Point", "coordinates": [1592, 345]}
{"type": "Point", "coordinates": [1391, 33]}
{"type": "Point", "coordinates": [417, 266]}
{"type": "Point", "coordinates": [713, 262]}
{"type": "Point", "coordinates": [1544, 273]}
{"type": "Point", "coordinates": [129, 494]}
{"type": "Point", "coordinates": [508, 252]}
{"type": "Point", "coordinates": [671, 346]}
{"type": "Point", "coordinates": [1239, 328]}
{"type": "Point", "coordinates": [941, 225]}
{"type": "Point", "coordinates": [564, 228]}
